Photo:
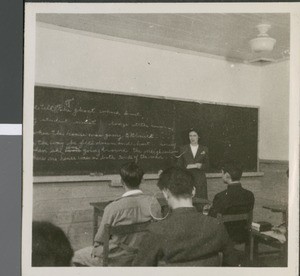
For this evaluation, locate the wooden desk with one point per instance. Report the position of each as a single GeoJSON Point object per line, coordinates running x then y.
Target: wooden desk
{"type": "Point", "coordinates": [278, 208]}
{"type": "Point", "coordinates": [259, 237]}
{"type": "Point", "coordinates": [99, 209]}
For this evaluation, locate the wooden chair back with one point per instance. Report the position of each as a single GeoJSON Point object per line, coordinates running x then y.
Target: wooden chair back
{"type": "Point", "coordinates": [121, 230]}
{"type": "Point", "coordinates": [241, 217]}
{"type": "Point", "coordinates": [237, 217]}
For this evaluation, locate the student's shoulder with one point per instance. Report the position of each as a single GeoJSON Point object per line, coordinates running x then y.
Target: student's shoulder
{"type": "Point", "coordinates": [248, 192]}
{"type": "Point", "coordinates": [211, 223]}
{"type": "Point", "coordinates": [110, 206]}
{"type": "Point", "coordinates": [158, 228]}
{"type": "Point", "coordinates": [220, 195]}
{"type": "Point", "coordinates": [123, 202]}
{"type": "Point", "coordinates": [115, 204]}
{"type": "Point", "coordinates": [148, 199]}
{"type": "Point", "coordinates": [217, 227]}
{"type": "Point", "coordinates": [115, 207]}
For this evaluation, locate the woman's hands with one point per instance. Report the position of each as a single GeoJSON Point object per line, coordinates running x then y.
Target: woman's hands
{"type": "Point", "coordinates": [194, 166]}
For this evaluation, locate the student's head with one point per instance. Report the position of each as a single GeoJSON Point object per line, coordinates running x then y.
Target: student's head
{"type": "Point", "coordinates": [194, 136]}
{"type": "Point", "coordinates": [232, 171]}
{"type": "Point", "coordinates": [177, 182]}
{"type": "Point", "coordinates": [50, 246]}
{"type": "Point", "coordinates": [131, 175]}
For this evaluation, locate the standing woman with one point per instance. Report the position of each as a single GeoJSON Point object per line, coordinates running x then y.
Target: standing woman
{"type": "Point", "coordinates": [194, 157]}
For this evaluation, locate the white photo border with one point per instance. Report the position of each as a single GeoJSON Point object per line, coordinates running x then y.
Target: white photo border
{"type": "Point", "coordinates": [294, 102]}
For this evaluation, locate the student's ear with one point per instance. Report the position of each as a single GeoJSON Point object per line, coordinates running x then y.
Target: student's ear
{"type": "Point", "coordinates": [194, 191]}
{"type": "Point", "coordinates": [227, 177]}
{"type": "Point", "coordinates": [166, 194]}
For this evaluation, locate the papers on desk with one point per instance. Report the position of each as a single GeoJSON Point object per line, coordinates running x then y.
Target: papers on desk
{"type": "Point", "coordinates": [278, 236]}
{"type": "Point", "coordinates": [261, 226]}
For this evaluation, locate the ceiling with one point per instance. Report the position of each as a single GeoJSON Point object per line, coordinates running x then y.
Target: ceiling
{"type": "Point", "coordinates": [224, 35]}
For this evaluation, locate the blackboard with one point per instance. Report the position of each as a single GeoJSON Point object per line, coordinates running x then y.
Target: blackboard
{"type": "Point", "coordinates": [80, 132]}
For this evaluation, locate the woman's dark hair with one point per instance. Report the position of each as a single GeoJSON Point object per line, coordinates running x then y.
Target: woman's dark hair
{"type": "Point", "coordinates": [195, 130]}
{"type": "Point", "coordinates": [178, 181]}
{"type": "Point", "coordinates": [132, 175]}
{"type": "Point", "coordinates": [50, 245]}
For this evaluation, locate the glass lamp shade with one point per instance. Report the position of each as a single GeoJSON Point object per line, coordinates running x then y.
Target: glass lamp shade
{"type": "Point", "coordinates": [260, 44]}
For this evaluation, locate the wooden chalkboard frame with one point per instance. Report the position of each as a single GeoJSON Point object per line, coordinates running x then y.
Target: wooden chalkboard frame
{"type": "Point", "coordinates": [114, 177]}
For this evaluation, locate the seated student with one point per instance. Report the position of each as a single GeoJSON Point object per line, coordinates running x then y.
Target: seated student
{"type": "Point", "coordinates": [133, 207]}
{"type": "Point", "coordinates": [186, 237]}
{"type": "Point", "coordinates": [50, 246]}
{"type": "Point", "coordinates": [234, 200]}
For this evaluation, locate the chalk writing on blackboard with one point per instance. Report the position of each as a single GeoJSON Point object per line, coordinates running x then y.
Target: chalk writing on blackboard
{"type": "Point", "coordinates": [79, 132]}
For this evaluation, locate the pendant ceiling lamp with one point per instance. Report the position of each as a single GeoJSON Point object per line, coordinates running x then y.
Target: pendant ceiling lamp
{"type": "Point", "coordinates": [263, 42]}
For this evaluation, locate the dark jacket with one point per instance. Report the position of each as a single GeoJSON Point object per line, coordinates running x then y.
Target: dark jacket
{"type": "Point", "coordinates": [186, 158]}
{"type": "Point", "coordinates": [234, 200]}
{"type": "Point", "coordinates": [183, 237]}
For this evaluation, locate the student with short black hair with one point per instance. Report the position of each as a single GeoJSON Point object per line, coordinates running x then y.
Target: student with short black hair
{"type": "Point", "coordinates": [131, 175]}
{"type": "Point", "coordinates": [50, 245]}
{"type": "Point", "coordinates": [186, 237]}
{"type": "Point", "coordinates": [234, 200]}
{"type": "Point", "coordinates": [132, 207]}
